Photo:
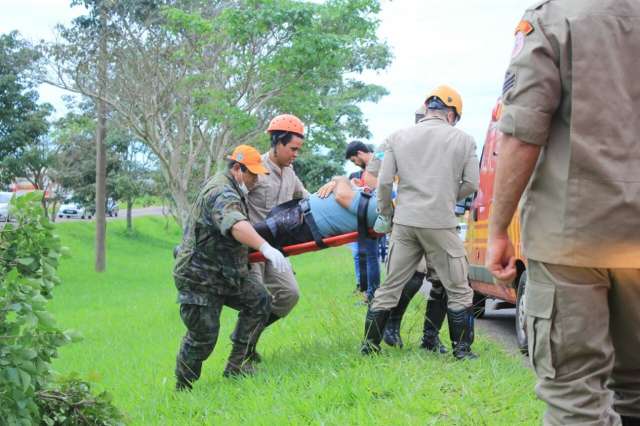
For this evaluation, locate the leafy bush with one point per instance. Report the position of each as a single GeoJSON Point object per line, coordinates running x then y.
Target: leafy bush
{"type": "Point", "coordinates": [29, 336]}
{"type": "Point", "coordinates": [71, 403]}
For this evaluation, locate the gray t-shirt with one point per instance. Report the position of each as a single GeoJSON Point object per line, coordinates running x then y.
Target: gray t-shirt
{"type": "Point", "coordinates": [333, 219]}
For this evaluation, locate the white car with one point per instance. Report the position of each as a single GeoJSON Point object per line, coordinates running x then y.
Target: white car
{"type": "Point", "coordinates": [73, 210]}
{"type": "Point", "coordinates": [5, 198]}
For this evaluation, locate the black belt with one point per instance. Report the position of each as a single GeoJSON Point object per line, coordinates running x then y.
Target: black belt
{"type": "Point", "coordinates": [363, 234]}
{"type": "Point", "coordinates": [311, 223]}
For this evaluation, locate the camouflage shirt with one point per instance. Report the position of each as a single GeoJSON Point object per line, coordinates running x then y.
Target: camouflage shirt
{"type": "Point", "coordinates": [210, 261]}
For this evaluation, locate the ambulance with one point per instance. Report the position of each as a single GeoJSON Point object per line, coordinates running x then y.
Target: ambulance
{"type": "Point", "coordinates": [477, 219]}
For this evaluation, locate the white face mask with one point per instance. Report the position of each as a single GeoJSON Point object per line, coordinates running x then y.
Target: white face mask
{"type": "Point", "coordinates": [244, 188]}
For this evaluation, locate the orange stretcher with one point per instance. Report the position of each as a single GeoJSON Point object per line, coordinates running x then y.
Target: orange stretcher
{"type": "Point", "coordinates": [296, 249]}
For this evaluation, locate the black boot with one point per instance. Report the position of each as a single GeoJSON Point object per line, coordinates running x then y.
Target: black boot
{"type": "Point", "coordinates": [433, 319]}
{"type": "Point", "coordinates": [187, 372]}
{"type": "Point", "coordinates": [238, 364]}
{"type": "Point", "coordinates": [461, 332]}
{"type": "Point", "coordinates": [392, 330]}
{"type": "Point", "coordinates": [373, 329]}
{"type": "Point", "coordinates": [630, 421]}
{"type": "Point", "coordinates": [252, 354]}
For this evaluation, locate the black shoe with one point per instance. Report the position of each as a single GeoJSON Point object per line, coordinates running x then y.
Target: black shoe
{"type": "Point", "coordinates": [630, 421]}
{"type": "Point", "coordinates": [431, 342]}
{"type": "Point", "coordinates": [461, 332]}
{"type": "Point", "coordinates": [238, 363]}
{"type": "Point", "coordinates": [392, 333]}
{"type": "Point", "coordinates": [373, 330]}
{"type": "Point", "coordinates": [183, 386]}
{"type": "Point", "coordinates": [187, 372]}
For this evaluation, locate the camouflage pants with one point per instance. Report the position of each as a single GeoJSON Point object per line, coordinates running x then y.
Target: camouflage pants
{"type": "Point", "coordinates": [203, 326]}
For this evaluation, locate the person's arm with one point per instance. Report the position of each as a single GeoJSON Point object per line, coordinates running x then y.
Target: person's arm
{"type": "Point", "coordinates": [244, 233]}
{"type": "Point", "coordinates": [228, 214]}
{"type": "Point", "coordinates": [470, 174]}
{"type": "Point", "coordinates": [513, 171]}
{"type": "Point", "coordinates": [385, 183]}
{"type": "Point", "coordinates": [343, 191]}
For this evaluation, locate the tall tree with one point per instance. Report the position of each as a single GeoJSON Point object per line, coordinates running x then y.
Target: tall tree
{"type": "Point", "coordinates": [101, 145]}
{"type": "Point", "coordinates": [23, 122]}
{"type": "Point", "coordinates": [193, 78]}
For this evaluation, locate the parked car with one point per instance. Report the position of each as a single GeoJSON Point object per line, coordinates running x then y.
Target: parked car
{"type": "Point", "coordinates": [476, 240]}
{"type": "Point", "coordinates": [73, 210]}
{"type": "Point", "coordinates": [5, 199]}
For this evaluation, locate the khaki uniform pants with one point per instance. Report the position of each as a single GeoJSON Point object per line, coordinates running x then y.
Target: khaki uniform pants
{"type": "Point", "coordinates": [283, 287]}
{"type": "Point", "coordinates": [583, 326]}
{"type": "Point", "coordinates": [444, 252]}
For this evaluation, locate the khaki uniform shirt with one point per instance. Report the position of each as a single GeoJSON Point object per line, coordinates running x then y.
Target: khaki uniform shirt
{"type": "Point", "coordinates": [573, 88]}
{"type": "Point", "coordinates": [437, 165]}
{"type": "Point", "coordinates": [279, 186]}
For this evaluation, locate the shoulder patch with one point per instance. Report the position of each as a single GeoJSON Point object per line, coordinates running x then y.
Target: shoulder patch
{"type": "Point", "coordinates": [524, 27]}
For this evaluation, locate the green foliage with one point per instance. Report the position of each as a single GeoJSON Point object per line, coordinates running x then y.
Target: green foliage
{"type": "Point", "coordinates": [29, 336]}
{"type": "Point", "coordinates": [70, 403]}
{"type": "Point", "coordinates": [22, 120]}
{"type": "Point", "coordinates": [315, 169]}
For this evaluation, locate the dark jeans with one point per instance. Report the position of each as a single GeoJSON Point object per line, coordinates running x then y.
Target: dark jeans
{"type": "Point", "coordinates": [373, 265]}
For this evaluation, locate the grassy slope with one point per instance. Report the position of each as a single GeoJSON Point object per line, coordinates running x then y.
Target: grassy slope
{"type": "Point", "coordinates": [311, 373]}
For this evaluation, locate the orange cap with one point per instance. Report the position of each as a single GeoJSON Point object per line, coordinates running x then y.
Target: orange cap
{"type": "Point", "coordinates": [249, 157]}
{"type": "Point", "coordinates": [287, 123]}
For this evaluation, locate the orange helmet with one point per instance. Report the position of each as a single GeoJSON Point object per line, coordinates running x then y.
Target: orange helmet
{"type": "Point", "coordinates": [449, 96]}
{"type": "Point", "coordinates": [287, 123]}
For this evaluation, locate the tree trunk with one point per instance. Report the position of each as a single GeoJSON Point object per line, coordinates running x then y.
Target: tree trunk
{"type": "Point", "coordinates": [129, 220]}
{"type": "Point", "coordinates": [101, 151]}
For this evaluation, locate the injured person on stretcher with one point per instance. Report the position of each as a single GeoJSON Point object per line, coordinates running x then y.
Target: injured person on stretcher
{"type": "Point", "coordinates": [315, 217]}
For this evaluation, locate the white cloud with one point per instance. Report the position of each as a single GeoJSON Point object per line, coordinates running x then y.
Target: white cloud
{"type": "Point", "coordinates": [464, 44]}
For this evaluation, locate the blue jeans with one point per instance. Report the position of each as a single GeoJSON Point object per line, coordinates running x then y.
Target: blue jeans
{"type": "Point", "coordinates": [373, 265]}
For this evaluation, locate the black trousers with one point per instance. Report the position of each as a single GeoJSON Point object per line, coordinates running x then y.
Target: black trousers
{"type": "Point", "coordinates": [285, 226]}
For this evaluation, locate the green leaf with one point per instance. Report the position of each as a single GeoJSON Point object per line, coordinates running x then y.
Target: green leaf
{"type": "Point", "coordinates": [26, 261]}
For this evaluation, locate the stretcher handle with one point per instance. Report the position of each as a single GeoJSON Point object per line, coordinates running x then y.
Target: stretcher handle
{"type": "Point", "coordinates": [296, 249]}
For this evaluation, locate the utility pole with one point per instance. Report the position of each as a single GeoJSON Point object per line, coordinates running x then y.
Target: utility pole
{"type": "Point", "coordinates": [101, 148]}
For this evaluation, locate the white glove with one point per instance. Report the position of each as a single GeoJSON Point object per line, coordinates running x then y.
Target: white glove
{"type": "Point", "coordinates": [274, 256]}
{"type": "Point", "coordinates": [382, 225]}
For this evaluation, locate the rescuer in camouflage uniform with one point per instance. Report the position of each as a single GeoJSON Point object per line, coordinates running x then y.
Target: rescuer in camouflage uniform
{"type": "Point", "coordinates": [211, 270]}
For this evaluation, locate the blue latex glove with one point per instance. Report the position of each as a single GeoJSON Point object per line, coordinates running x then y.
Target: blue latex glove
{"type": "Point", "coordinates": [382, 225]}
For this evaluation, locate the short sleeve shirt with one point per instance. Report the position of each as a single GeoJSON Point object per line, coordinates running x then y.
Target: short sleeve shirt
{"type": "Point", "coordinates": [333, 219]}
{"type": "Point", "coordinates": [569, 88]}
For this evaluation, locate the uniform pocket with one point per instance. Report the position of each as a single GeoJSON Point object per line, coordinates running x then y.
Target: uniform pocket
{"type": "Point", "coordinates": [539, 306]}
{"type": "Point", "coordinates": [458, 269]}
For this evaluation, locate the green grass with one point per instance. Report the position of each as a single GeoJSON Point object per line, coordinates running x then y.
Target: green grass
{"type": "Point", "coordinates": [311, 372]}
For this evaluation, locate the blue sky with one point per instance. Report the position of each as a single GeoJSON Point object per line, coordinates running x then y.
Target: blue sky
{"type": "Point", "coordinates": [465, 44]}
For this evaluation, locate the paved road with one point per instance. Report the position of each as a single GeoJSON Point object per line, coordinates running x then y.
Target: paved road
{"type": "Point", "coordinates": [144, 211]}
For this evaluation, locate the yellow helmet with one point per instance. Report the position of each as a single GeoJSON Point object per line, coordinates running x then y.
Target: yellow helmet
{"type": "Point", "coordinates": [448, 96]}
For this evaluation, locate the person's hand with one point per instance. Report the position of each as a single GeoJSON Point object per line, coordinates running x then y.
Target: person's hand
{"type": "Point", "coordinates": [326, 189]}
{"type": "Point", "coordinates": [382, 225]}
{"type": "Point", "coordinates": [501, 259]}
{"type": "Point", "coordinates": [274, 256]}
